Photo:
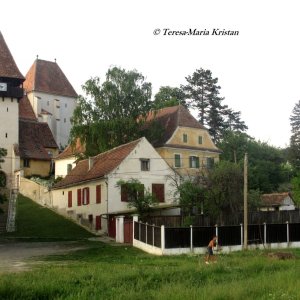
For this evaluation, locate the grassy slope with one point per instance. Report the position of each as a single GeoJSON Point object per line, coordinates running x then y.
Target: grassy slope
{"type": "Point", "coordinates": [35, 221]}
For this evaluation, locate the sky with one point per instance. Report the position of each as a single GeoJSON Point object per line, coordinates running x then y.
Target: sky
{"type": "Point", "coordinates": [258, 69]}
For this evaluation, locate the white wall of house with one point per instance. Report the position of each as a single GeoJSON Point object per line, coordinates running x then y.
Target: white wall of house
{"type": "Point", "coordinates": [61, 166]}
{"type": "Point", "coordinates": [61, 108]}
{"type": "Point", "coordinates": [81, 213]}
{"type": "Point", "coordinates": [9, 134]}
{"type": "Point", "coordinates": [159, 173]}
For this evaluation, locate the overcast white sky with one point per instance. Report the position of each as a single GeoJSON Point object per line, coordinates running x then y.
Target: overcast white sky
{"type": "Point", "coordinates": [258, 70]}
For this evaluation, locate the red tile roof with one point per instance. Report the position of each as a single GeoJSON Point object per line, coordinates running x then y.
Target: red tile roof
{"type": "Point", "coordinates": [47, 77]}
{"type": "Point", "coordinates": [72, 150]}
{"type": "Point", "coordinates": [103, 164]}
{"type": "Point", "coordinates": [34, 137]}
{"type": "Point", "coordinates": [8, 67]}
{"type": "Point", "coordinates": [170, 118]}
{"type": "Point", "coordinates": [25, 109]}
{"type": "Point", "coordinates": [275, 199]}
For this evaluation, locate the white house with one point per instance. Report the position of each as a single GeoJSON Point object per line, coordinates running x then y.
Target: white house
{"type": "Point", "coordinates": [90, 195]}
{"type": "Point", "coordinates": [277, 201]}
{"type": "Point", "coordinates": [66, 160]}
{"type": "Point", "coordinates": [52, 97]}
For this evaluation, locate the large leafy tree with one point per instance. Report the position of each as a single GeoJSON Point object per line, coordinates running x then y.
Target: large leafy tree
{"type": "Point", "coordinates": [225, 189]}
{"type": "Point", "coordinates": [111, 113]}
{"type": "Point", "coordinates": [169, 96]}
{"type": "Point", "coordinates": [203, 94]}
{"type": "Point", "coordinates": [294, 149]}
{"type": "Point", "coordinates": [267, 164]}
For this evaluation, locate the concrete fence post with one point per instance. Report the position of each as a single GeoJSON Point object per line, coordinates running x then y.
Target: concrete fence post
{"type": "Point", "coordinates": [162, 228]}
{"type": "Point", "coordinates": [242, 236]}
{"type": "Point", "coordinates": [135, 218]}
{"type": "Point", "coordinates": [287, 233]}
{"type": "Point", "coordinates": [153, 235]}
{"type": "Point", "coordinates": [191, 239]}
{"type": "Point", "coordinates": [217, 230]}
{"type": "Point", "coordinates": [146, 229]}
{"type": "Point", "coordinates": [265, 233]}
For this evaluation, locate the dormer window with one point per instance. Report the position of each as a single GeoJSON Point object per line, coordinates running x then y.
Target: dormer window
{"type": "Point", "coordinates": [200, 140]}
{"type": "Point", "coordinates": [145, 164]}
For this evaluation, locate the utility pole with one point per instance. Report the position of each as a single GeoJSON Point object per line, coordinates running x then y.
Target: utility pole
{"type": "Point", "coordinates": [246, 201]}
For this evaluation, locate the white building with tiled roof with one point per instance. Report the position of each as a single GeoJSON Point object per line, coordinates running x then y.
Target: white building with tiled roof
{"type": "Point", "coordinates": [52, 97]}
{"type": "Point", "coordinates": [89, 193]}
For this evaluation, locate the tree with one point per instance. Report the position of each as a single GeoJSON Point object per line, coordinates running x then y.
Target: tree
{"type": "Point", "coordinates": [296, 188]}
{"type": "Point", "coordinates": [203, 94]}
{"type": "Point", "coordinates": [111, 113]}
{"type": "Point", "coordinates": [138, 197]}
{"type": "Point", "coordinates": [191, 194]}
{"type": "Point", "coordinates": [225, 189]}
{"type": "Point", "coordinates": [294, 149]}
{"type": "Point", "coordinates": [168, 96]}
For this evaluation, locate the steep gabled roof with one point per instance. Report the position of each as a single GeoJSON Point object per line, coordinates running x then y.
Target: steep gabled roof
{"type": "Point", "coordinates": [25, 109]}
{"type": "Point", "coordinates": [47, 77]}
{"type": "Point", "coordinates": [8, 67]}
{"type": "Point", "coordinates": [72, 150]}
{"type": "Point", "coordinates": [275, 199]}
{"type": "Point", "coordinates": [34, 137]}
{"type": "Point", "coordinates": [170, 118]}
{"type": "Point", "coordinates": [102, 165]}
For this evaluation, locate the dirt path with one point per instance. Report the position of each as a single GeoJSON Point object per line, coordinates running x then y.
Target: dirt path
{"type": "Point", "coordinates": [14, 256]}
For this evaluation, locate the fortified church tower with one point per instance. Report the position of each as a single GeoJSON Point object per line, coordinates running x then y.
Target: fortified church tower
{"type": "Point", "coordinates": [11, 91]}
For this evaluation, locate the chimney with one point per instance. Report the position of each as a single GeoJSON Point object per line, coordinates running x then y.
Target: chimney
{"type": "Point", "coordinates": [91, 162]}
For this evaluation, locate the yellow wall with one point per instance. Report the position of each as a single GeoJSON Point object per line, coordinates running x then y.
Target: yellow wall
{"type": "Point", "coordinates": [192, 141]}
{"type": "Point", "coordinates": [37, 167]}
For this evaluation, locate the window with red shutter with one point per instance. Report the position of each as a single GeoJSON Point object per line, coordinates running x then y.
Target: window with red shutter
{"type": "Point", "coordinates": [70, 199]}
{"type": "Point", "coordinates": [158, 190]}
{"type": "Point", "coordinates": [79, 197]}
{"type": "Point", "coordinates": [98, 193]}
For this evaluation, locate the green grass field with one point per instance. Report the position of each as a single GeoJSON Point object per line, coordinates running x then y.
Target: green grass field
{"type": "Point", "coordinates": [122, 272]}
{"type": "Point", "coordinates": [119, 272]}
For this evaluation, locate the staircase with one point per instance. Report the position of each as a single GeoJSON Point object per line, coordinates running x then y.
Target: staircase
{"type": "Point", "coordinates": [12, 209]}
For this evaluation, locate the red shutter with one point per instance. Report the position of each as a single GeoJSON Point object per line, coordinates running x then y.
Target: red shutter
{"type": "Point", "coordinates": [98, 222]}
{"type": "Point", "coordinates": [158, 190]}
{"type": "Point", "coordinates": [124, 194]}
{"type": "Point", "coordinates": [70, 199]}
{"type": "Point", "coordinates": [79, 197]}
{"type": "Point", "coordinates": [88, 195]}
{"type": "Point", "coordinates": [98, 193]}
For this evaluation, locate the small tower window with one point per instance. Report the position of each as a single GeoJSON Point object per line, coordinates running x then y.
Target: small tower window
{"type": "Point", "coordinates": [6, 135]}
{"type": "Point", "coordinates": [184, 138]}
{"type": "Point", "coordinates": [7, 109]}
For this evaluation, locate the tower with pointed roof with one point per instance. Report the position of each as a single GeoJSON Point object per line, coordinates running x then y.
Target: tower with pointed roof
{"type": "Point", "coordinates": [11, 91]}
{"type": "Point", "coordinates": [52, 97]}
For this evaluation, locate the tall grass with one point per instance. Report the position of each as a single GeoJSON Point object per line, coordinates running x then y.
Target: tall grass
{"type": "Point", "coordinates": [119, 272]}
